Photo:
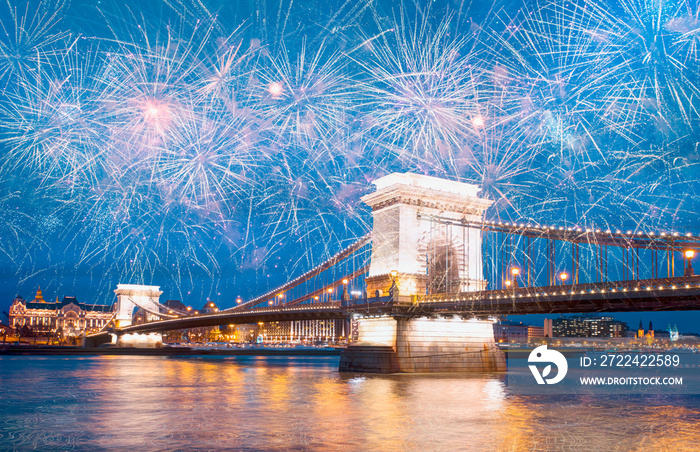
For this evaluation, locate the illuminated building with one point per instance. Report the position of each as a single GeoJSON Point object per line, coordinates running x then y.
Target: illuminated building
{"type": "Point", "coordinates": [580, 326]}
{"type": "Point", "coordinates": [205, 333]}
{"type": "Point", "coordinates": [507, 331]}
{"type": "Point", "coordinates": [310, 331]}
{"type": "Point", "coordinates": [535, 331]}
{"type": "Point", "coordinates": [67, 318]}
{"type": "Point", "coordinates": [649, 334]}
{"type": "Point", "coordinates": [244, 333]}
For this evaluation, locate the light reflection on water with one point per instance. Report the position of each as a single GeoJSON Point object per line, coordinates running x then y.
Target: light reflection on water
{"type": "Point", "coordinates": [297, 403]}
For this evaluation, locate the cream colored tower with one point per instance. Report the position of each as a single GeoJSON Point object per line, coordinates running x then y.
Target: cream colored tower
{"type": "Point", "coordinates": [426, 254]}
{"type": "Point", "coordinates": [131, 295]}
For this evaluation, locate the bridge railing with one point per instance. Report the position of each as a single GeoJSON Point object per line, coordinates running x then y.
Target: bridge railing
{"type": "Point", "coordinates": [682, 282]}
{"type": "Point", "coordinates": [297, 307]}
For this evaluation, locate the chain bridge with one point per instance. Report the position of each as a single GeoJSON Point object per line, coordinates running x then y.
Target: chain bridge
{"type": "Point", "coordinates": [424, 286]}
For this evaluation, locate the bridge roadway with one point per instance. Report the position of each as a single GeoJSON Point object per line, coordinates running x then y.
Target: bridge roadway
{"type": "Point", "coordinates": [668, 294]}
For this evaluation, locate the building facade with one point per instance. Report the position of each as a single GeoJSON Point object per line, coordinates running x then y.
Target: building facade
{"type": "Point", "coordinates": [303, 331]}
{"type": "Point", "coordinates": [535, 331]}
{"type": "Point", "coordinates": [581, 326]}
{"type": "Point", "coordinates": [67, 318]}
{"type": "Point", "coordinates": [509, 332]}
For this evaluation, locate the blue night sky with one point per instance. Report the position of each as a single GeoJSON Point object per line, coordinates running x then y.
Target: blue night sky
{"type": "Point", "coordinates": [218, 149]}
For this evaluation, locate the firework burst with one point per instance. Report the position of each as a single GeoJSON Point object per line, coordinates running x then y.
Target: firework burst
{"type": "Point", "coordinates": [181, 144]}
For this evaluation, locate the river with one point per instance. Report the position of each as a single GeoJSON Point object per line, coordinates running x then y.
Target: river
{"type": "Point", "coordinates": [304, 403]}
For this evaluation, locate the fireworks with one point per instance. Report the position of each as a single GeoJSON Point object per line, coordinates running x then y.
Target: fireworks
{"type": "Point", "coordinates": [198, 149]}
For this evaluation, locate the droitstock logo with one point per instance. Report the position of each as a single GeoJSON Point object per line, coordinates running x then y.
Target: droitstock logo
{"type": "Point", "coordinates": [542, 355]}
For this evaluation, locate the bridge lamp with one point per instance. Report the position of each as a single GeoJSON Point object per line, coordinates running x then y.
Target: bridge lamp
{"type": "Point", "coordinates": [238, 300]}
{"type": "Point", "coordinates": [563, 276]}
{"type": "Point", "coordinates": [345, 281]}
{"type": "Point", "coordinates": [508, 283]}
{"type": "Point", "coordinates": [515, 271]}
{"type": "Point", "coordinates": [689, 254]}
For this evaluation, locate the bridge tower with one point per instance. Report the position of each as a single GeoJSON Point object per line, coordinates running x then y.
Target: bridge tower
{"type": "Point", "coordinates": [416, 253]}
{"type": "Point", "coordinates": [130, 296]}
{"type": "Point", "coordinates": [426, 255]}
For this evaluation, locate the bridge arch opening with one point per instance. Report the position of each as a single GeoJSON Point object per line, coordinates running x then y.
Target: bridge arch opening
{"type": "Point", "coordinates": [442, 264]}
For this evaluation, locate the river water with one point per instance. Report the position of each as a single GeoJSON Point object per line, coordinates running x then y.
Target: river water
{"type": "Point", "coordinates": [304, 403]}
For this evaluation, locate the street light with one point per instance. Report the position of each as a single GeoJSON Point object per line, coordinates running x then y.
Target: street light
{"type": "Point", "coordinates": [515, 271]}
{"type": "Point", "coordinates": [689, 254]}
{"type": "Point", "coordinates": [563, 276]}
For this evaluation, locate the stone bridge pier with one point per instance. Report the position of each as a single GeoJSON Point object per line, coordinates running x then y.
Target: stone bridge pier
{"type": "Point", "coordinates": [392, 345]}
{"type": "Point", "coordinates": [413, 254]}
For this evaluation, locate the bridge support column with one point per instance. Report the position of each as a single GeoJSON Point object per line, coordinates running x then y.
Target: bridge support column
{"type": "Point", "coordinates": [140, 340]}
{"type": "Point", "coordinates": [391, 345]}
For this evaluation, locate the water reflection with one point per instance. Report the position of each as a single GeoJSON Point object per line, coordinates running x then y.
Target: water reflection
{"type": "Point", "coordinates": [278, 403]}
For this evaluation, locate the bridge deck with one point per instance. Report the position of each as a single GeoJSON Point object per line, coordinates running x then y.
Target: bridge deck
{"type": "Point", "coordinates": [319, 311]}
{"type": "Point", "coordinates": [670, 294]}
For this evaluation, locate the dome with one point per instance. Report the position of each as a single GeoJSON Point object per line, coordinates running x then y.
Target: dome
{"type": "Point", "coordinates": [39, 298]}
